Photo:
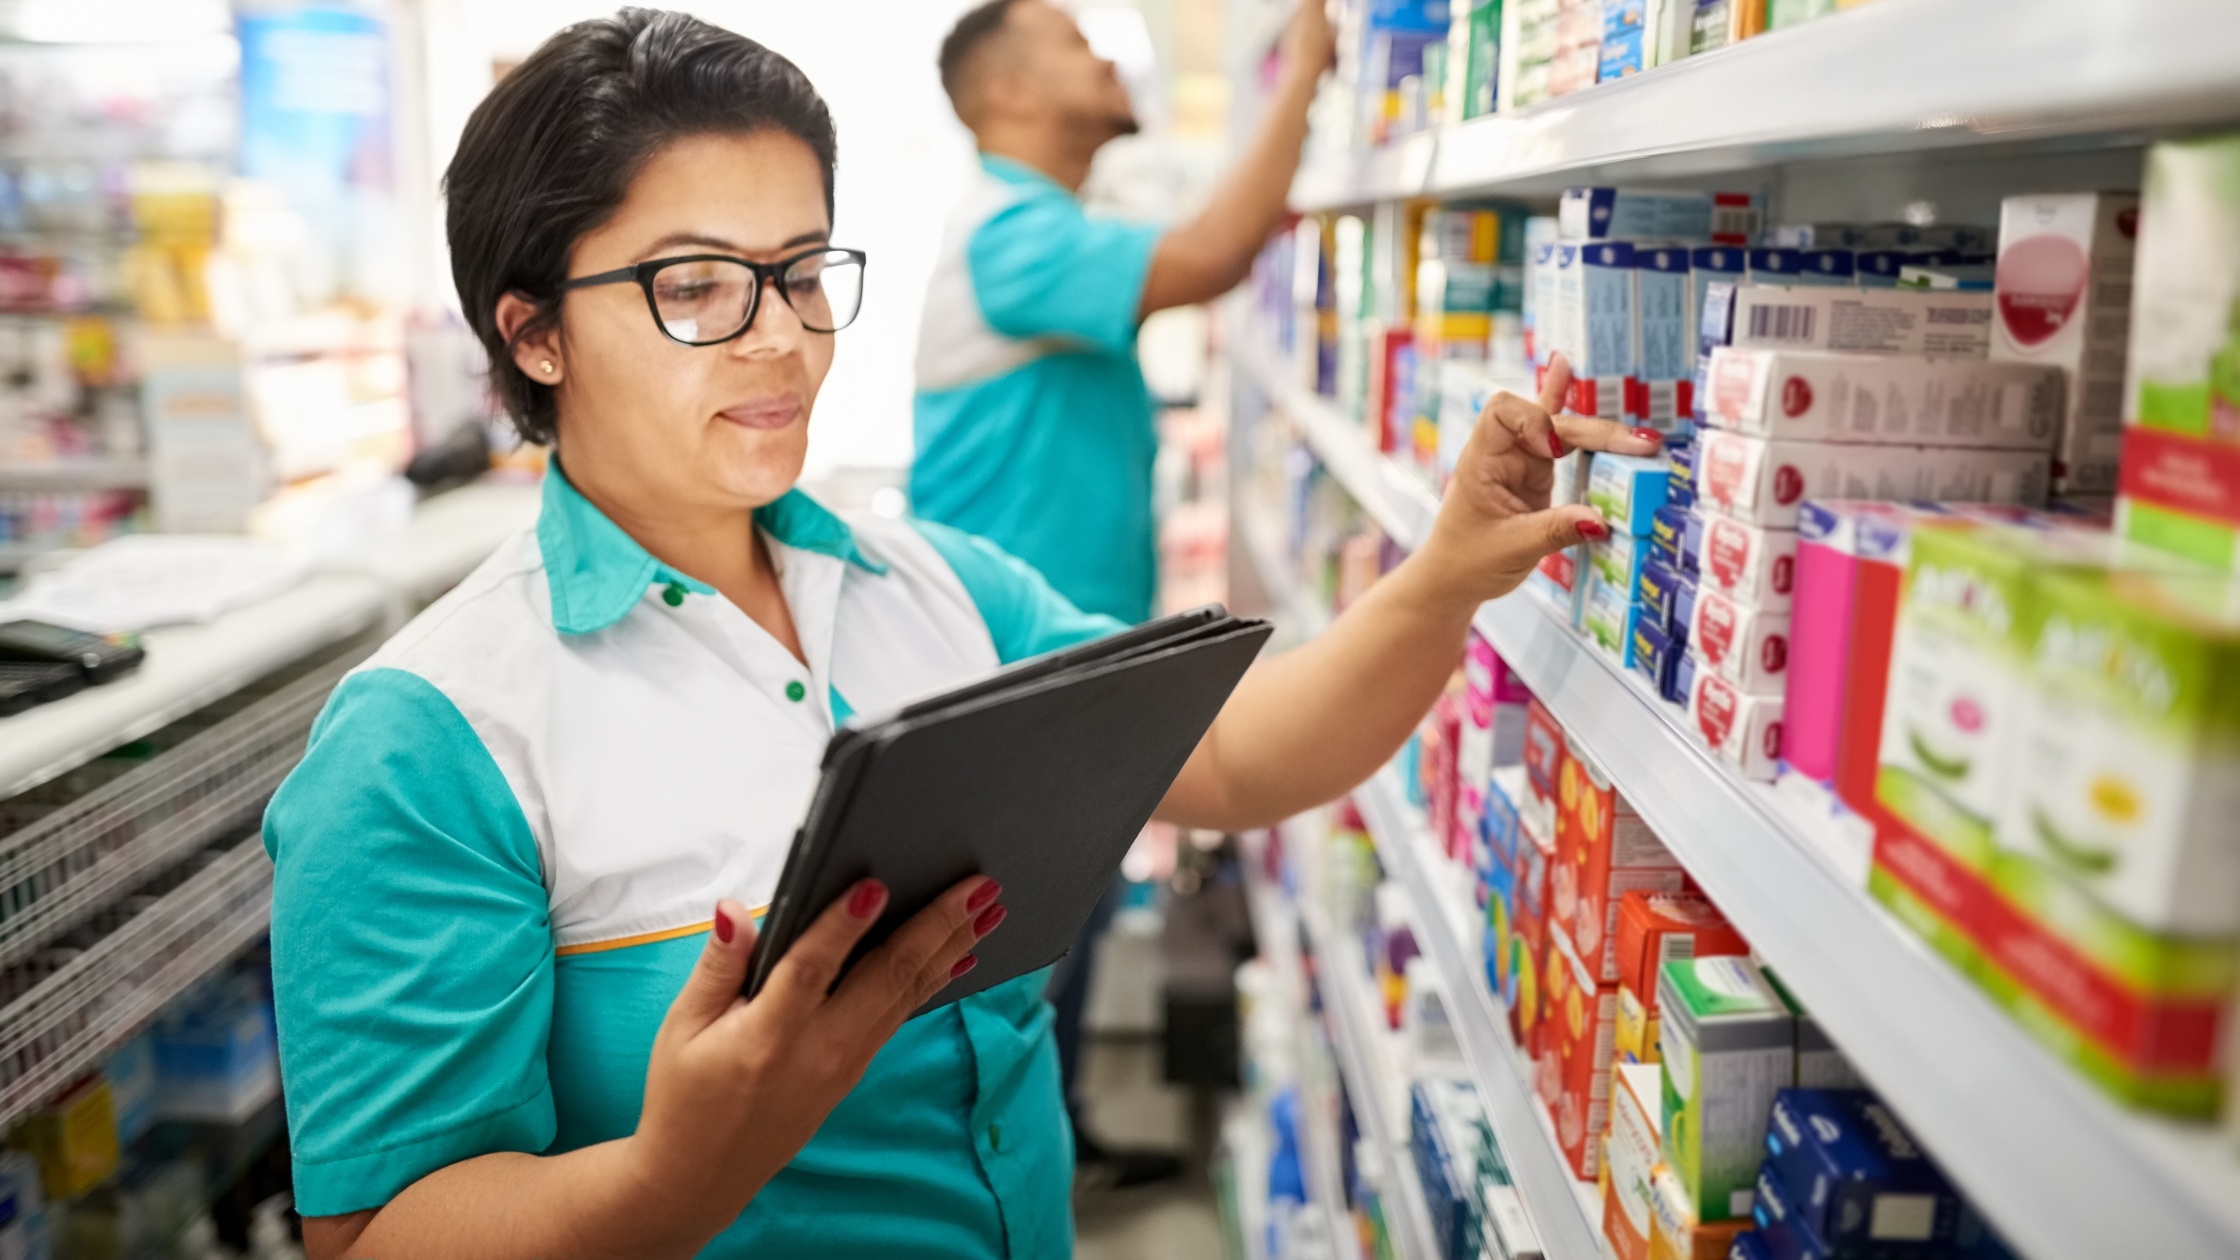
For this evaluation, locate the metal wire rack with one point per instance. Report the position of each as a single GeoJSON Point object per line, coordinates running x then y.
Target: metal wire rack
{"type": "Point", "coordinates": [65, 1008]}
{"type": "Point", "coordinates": [75, 844]}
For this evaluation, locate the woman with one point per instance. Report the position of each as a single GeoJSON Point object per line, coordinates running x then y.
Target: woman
{"type": "Point", "coordinates": [514, 868]}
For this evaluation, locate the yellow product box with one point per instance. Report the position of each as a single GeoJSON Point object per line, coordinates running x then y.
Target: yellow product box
{"type": "Point", "coordinates": [74, 1139]}
{"type": "Point", "coordinates": [1674, 1232]}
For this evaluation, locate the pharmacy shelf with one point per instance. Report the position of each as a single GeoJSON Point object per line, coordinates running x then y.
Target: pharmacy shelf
{"type": "Point", "coordinates": [1399, 501]}
{"type": "Point", "coordinates": [1354, 1019]}
{"type": "Point", "coordinates": [2058, 1167]}
{"type": "Point", "coordinates": [1564, 1210]}
{"type": "Point", "coordinates": [1288, 596]}
{"type": "Point", "coordinates": [1900, 76]}
{"type": "Point", "coordinates": [1276, 929]}
{"type": "Point", "coordinates": [76, 474]}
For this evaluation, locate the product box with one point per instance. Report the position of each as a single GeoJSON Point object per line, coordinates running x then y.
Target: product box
{"type": "Point", "coordinates": [1628, 490]}
{"type": "Point", "coordinates": [2180, 475]}
{"type": "Point", "coordinates": [1560, 578]}
{"type": "Point", "coordinates": [74, 1138]}
{"type": "Point", "coordinates": [1729, 1045]}
{"type": "Point", "coordinates": [1749, 1244]}
{"type": "Point", "coordinates": [1677, 535]}
{"type": "Point", "coordinates": [1658, 593]}
{"type": "Point", "coordinates": [1528, 946]}
{"type": "Point", "coordinates": [1655, 928]}
{"type": "Point", "coordinates": [1874, 542]}
{"type": "Point", "coordinates": [1600, 214]}
{"type": "Point", "coordinates": [1820, 396]}
{"type": "Point", "coordinates": [1635, 1151]}
{"type": "Point", "coordinates": [1747, 646]}
{"type": "Point", "coordinates": [1831, 268]}
{"type": "Point", "coordinates": [1819, 637]}
{"type": "Point", "coordinates": [1603, 850]}
{"type": "Point", "coordinates": [1607, 353]}
{"type": "Point", "coordinates": [1786, 1236]}
{"type": "Point", "coordinates": [1618, 560]}
{"type": "Point", "coordinates": [1582, 1021]}
{"type": "Point", "coordinates": [1747, 563]}
{"type": "Point", "coordinates": [1680, 469]}
{"type": "Point", "coordinates": [1653, 654]}
{"type": "Point", "coordinates": [1664, 337]}
{"type": "Point", "coordinates": [1674, 1231]}
{"type": "Point", "coordinates": [1744, 729]}
{"type": "Point", "coordinates": [1763, 481]}
{"type": "Point", "coordinates": [2063, 287]}
{"type": "Point", "coordinates": [1776, 265]}
{"type": "Point", "coordinates": [1855, 1178]}
{"type": "Point", "coordinates": [1608, 615]}
{"type": "Point", "coordinates": [1683, 680]}
{"type": "Point", "coordinates": [1861, 321]}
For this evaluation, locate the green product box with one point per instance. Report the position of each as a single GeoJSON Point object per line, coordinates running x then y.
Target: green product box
{"type": "Point", "coordinates": [1728, 1043]}
{"type": "Point", "coordinates": [1782, 13]}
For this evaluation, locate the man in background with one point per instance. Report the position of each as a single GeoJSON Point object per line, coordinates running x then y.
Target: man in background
{"type": "Point", "coordinates": [1034, 426]}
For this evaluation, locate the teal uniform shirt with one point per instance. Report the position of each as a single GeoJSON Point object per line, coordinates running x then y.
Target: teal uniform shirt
{"type": "Point", "coordinates": [496, 863]}
{"type": "Point", "coordinates": [1034, 426]}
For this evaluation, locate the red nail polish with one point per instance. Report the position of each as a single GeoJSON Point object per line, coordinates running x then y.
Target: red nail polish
{"type": "Point", "coordinates": [867, 898]}
{"type": "Point", "coordinates": [1649, 435]}
{"type": "Point", "coordinates": [1593, 530]}
{"type": "Point", "coordinates": [964, 964]}
{"type": "Point", "coordinates": [724, 926]}
{"type": "Point", "coordinates": [982, 895]}
{"type": "Point", "coordinates": [988, 921]}
{"type": "Point", "coordinates": [1556, 448]}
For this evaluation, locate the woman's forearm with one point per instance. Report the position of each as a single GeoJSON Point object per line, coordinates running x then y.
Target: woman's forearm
{"type": "Point", "coordinates": [596, 1202]}
{"type": "Point", "coordinates": [1308, 725]}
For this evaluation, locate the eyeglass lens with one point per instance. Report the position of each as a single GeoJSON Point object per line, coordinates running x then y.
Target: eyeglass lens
{"type": "Point", "coordinates": [704, 300]}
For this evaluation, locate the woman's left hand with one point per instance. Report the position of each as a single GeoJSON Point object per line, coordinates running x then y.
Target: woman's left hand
{"type": "Point", "coordinates": [1495, 524]}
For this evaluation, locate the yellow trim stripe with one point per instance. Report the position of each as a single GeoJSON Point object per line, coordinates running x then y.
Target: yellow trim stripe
{"type": "Point", "coordinates": [649, 938]}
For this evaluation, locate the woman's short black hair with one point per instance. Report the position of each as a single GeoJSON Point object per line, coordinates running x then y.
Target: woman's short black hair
{"type": "Point", "coordinates": [551, 152]}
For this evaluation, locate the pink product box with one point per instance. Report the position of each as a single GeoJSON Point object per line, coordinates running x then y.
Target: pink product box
{"type": "Point", "coordinates": [1750, 564]}
{"type": "Point", "coordinates": [1821, 396]}
{"type": "Point", "coordinates": [1747, 646]}
{"type": "Point", "coordinates": [1762, 481]}
{"type": "Point", "coordinates": [1745, 730]}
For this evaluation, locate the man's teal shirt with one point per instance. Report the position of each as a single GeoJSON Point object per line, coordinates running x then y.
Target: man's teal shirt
{"type": "Point", "coordinates": [1034, 426]}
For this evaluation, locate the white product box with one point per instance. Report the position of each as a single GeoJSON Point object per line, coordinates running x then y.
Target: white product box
{"type": "Point", "coordinates": [1762, 481]}
{"type": "Point", "coordinates": [1663, 337]}
{"type": "Point", "coordinates": [1819, 396]}
{"type": "Point", "coordinates": [1747, 646]}
{"type": "Point", "coordinates": [1607, 351]}
{"type": "Point", "coordinates": [1598, 214]}
{"type": "Point", "coordinates": [1747, 563]}
{"type": "Point", "coordinates": [1863, 321]}
{"type": "Point", "coordinates": [2063, 286]}
{"type": "Point", "coordinates": [1743, 729]}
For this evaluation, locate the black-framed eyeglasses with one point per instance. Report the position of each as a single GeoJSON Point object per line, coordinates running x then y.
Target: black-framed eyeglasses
{"type": "Point", "coordinates": [708, 299]}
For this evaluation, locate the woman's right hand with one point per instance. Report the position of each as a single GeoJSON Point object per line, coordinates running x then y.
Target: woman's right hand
{"type": "Point", "coordinates": [736, 1087]}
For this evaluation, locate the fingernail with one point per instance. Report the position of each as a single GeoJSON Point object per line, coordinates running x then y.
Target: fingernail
{"type": "Point", "coordinates": [724, 926]}
{"type": "Point", "coordinates": [1593, 530]}
{"type": "Point", "coordinates": [964, 964]}
{"type": "Point", "coordinates": [1556, 449]}
{"type": "Point", "coordinates": [867, 898]}
{"type": "Point", "coordinates": [982, 895]}
{"type": "Point", "coordinates": [1649, 435]}
{"type": "Point", "coordinates": [988, 920]}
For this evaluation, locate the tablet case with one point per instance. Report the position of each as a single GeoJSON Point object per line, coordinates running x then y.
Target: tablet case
{"type": "Point", "coordinates": [1040, 776]}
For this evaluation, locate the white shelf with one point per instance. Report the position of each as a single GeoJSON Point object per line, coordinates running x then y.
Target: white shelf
{"type": "Point", "coordinates": [2059, 1168]}
{"type": "Point", "coordinates": [76, 474]}
{"type": "Point", "coordinates": [1563, 1209]}
{"type": "Point", "coordinates": [1899, 76]}
{"type": "Point", "coordinates": [1398, 500]}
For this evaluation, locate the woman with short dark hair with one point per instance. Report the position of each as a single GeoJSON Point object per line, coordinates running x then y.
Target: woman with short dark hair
{"type": "Point", "coordinates": [514, 869]}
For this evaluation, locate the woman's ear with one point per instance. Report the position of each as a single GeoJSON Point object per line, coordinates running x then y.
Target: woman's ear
{"type": "Point", "coordinates": [538, 353]}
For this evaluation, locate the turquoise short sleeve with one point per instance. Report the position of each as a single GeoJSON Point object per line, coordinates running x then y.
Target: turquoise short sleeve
{"type": "Point", "coordinates": [1042, 267]}
{"type": "Point", "coordinates": [1025, 616]}
{"type": "Point", "coordinates": [411, 954]}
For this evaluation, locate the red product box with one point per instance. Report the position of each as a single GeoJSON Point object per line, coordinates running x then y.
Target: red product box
{"type": "Point", "coordinates": [1655, 928]}
{"type": "Point", "coordinates": [1527, 944]}
{"type": "Point", "coordinates": [1604, 850]}
{"type": "Point", "coordinates": [1581, 1031]}
{"type": "Point", "coordinates": [1747, 646]}
{"type": "Point", "coordinates": [1441, 745]}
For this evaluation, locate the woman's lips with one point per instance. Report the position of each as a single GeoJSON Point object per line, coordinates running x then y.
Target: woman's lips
{"type": "Point", "coordinates": [764, 413]}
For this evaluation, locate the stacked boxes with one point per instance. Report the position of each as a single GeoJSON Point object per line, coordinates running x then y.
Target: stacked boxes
{"type": "Point", "coordinates": [1655, 928]}
{"type": "Point", "coordinates": [1628, 491]}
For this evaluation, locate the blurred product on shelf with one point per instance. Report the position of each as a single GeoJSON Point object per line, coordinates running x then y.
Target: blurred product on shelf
{"type": "Point", "coordinates": [2064, 298]}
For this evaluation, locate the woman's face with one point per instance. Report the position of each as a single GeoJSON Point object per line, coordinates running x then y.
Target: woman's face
{"type": "Point", "coordinates": [658, 426]}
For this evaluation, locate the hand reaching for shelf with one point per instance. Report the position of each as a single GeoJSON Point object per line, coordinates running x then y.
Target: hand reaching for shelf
{"type": "Point", "coordinates": [1495, 524]}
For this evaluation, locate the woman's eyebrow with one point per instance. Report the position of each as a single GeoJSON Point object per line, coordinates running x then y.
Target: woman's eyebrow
{"type": "Point", "coordinates": [675, 239]}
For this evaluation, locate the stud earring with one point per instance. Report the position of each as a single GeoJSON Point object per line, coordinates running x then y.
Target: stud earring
{"type": "Point", "coordinates": [545, 366]}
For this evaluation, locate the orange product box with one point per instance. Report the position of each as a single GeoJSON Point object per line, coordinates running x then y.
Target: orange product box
{"type": "Point", "coordinates": [1631, 1158]}
{"type": "Point", "coordinates": [1604, 850]}
{"type": "Point", "coordinates": [1655, 928]}
{"type": "Point", "coordinates": [1581, 1029]}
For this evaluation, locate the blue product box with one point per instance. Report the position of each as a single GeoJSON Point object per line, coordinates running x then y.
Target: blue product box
{"type": "Point", "coordinates": [1680, 452]}
{"type": "Point", "coordinates": [1668, 532]}
{"type": "Point", "coordinates": [1683, 678]}
{"type": "Point", "coordinates": [1621, 16]}
{"type": "Point", "coordinates": [1622, 54]}
{"type": "Point", "coordinates": [1453, 1222]}
{"type": "Point", "coordinates": [1684, 591]}
{"type": "Point", "coordinates": [1827, 267]}
{"type": "Point", "coordinates": [1653, 656]}
{"type": "Point", "coordinates": [1665, 352]}
{"type": "Point", "coordinates": [1879, 268]}
{"type": "Point", "coordinates": [1628, 490]}
{"type": "Point", "coordinates": [1656, 591]}
{"type": "Point", "coordinates": [1501, 825]}
{"type": "Point", "coordinates": [1748, 1246]}
{"type": "Point", "coordinates": [1714, 328]}
{"type": "Point", "coordinates": [1597, 214]}
{"type": "Point", "coordinates": [1857, 1180]}
{"type": "Point", "coordinates": [1776, 265]}
{"type": "Point", "coordinates": [1710, 263]}
{"type": "Point", "coordinates": [1607, 349]}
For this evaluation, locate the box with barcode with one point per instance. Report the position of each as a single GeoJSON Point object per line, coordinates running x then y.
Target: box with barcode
{"type": "Point", "coordinates": [1763, 481]}
{"type": "Point", "coordinates": [1821, 396]}
{"type": "Point", "coordinates": [1945, 323]}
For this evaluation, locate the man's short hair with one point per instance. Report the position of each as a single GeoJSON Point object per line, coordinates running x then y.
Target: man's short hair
{"type": "Point", "coordinates": [967, 38]}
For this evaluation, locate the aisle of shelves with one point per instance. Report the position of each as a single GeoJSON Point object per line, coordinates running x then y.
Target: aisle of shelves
{"type": "Point", "coordinates": [2062, 1170]}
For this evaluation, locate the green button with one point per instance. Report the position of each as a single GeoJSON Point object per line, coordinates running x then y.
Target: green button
{"type": "Point", "coordinates": [795, 691]}
{"type": "Point", "coordinates": [673, 594]}
{"type": "Point", "coordinates": [995, 1137]}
